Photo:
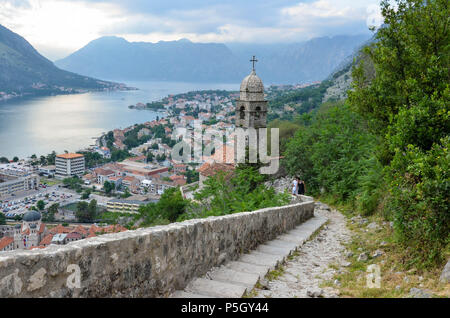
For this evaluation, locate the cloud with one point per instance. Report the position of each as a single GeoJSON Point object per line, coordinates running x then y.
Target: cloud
{"type": "Point", "coordinates": [58, 27]}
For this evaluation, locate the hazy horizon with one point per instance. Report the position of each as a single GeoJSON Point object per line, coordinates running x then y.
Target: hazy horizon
{"type": "Point", "coordinates": [57, 28]}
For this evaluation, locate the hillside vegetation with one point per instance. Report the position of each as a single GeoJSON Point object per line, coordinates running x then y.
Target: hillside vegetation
{"type": "Point", "coordinates": [384, 150]}
{"type": "Point", "coordinates": [25, 71]}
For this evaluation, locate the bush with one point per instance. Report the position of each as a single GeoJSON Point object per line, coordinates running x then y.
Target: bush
{"type": "Point", "coordinates": [332, 153]}
{"type": "Point", "coordinates": [420, 202]}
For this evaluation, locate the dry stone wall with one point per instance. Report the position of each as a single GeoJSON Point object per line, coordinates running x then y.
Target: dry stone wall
{"type": "Point", "coordinates": [148, 262]}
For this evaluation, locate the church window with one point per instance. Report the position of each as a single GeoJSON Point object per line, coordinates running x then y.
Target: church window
{"type": "Point", "coordinates": [242, 112]}
{"type": "Point", "coordinates": [257, 113]}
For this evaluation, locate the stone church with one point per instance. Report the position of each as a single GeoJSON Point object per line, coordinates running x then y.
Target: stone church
{"type": "Point", "coordinates": [251, 108]}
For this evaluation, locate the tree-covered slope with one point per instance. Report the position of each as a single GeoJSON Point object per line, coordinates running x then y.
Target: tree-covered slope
{"type": "Point", "coordinates": [24, 71]}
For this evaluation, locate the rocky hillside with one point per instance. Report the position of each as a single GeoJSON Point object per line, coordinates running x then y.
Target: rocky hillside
{"type": "Point", "coordinates": [25, 72]}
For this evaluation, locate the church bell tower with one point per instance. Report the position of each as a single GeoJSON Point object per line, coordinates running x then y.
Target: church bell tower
{"type": "Point", "coordinates": [251, 108]}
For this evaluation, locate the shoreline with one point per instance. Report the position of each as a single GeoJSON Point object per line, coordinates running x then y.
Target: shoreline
{"type": "Point", "coordinates": [14, 96]}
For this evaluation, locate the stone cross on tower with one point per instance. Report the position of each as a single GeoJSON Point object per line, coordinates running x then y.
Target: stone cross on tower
{"type": "Point", "coordinates": [253, 60]}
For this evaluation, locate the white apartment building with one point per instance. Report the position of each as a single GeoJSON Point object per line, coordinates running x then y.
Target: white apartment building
{"type": "Point", "coordinates": [10, 184]}
{"type": "Point", "coordinates": [69, 164]}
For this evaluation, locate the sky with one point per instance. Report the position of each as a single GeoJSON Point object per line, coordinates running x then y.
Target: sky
{"type": "Point", "coordinates": [57, 28]}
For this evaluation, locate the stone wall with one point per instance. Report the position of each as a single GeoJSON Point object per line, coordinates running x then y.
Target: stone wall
{"type": "Point", "coordinates": [148, 262]}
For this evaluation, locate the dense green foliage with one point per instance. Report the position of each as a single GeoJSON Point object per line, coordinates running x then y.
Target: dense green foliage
{"type": "Point", "coordinates": [301, 100]}
{"type": "Point", "coordinates": [386, 149]}
{"type": "Point", "coordinates": [40, 205]}
{"type": "Point", "coordinates": [222, 194]}
{"type": "Point", "coordinates": [332, 153]}
{"type": "Point", "coordinates": [73, 183]}
{"type": "Point", "coordinates": [92, 159]}
{"type": "Point", "coordinates": [170, 206]}
{"type": "Point", "coordinates": [244, 190]}
{"type": "Point", "coordinates": [86, 212]}
{"type": "Point", "coordinates": [407, 104]}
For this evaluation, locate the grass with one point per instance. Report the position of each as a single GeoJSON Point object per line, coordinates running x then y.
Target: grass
{"type": "Point", "coordinates": [276, 273]}
{"type": "Point", "coordinates": [396, 278]}
{"type": "Point", "coordinates": [50, 182]}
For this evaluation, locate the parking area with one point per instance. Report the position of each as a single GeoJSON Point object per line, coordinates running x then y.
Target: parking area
{"type": "Point", "coordinates": [20, 203]}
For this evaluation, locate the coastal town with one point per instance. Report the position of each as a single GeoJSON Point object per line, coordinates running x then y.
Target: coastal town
{"type": "Point", "coordinates": [59, 198]}
{"type": "Point", "coordinates": [124, 170]}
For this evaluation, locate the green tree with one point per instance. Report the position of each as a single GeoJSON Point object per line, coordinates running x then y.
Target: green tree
{"type": "Point", "coordinates": [170, 206]}
{"type": "Point", "coordinates": [86, 194]}
{"type": "Point", "coordinates": [15, 159]}
{"type": "Point", "coordinates": [401, 86]}
{"type": "Point", "coordinates": [92, 210]}
{"type": "Point", "coordinates": [73, 183]}
{"type": "Point", "coordinates": [52, 210]}
{"type": "Point", "coordinates": [150, 157]}
{"type": "Point", "coordinates": [127, 194]}
{"type": "Point", "coordinates": [40, 205]}
{"type": "Point", "coordinates": [2, 219]}
{"type": "Point", "coordinates": [82, 212]}
{"type": "Point", "coordinates": [108, 187]}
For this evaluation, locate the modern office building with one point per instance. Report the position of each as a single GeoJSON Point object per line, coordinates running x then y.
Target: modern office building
{"type": "Point", "coordinates": [69, 164]}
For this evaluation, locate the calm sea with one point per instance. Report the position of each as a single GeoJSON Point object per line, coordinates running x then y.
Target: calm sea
{"type": "Point", "coordinates": [69, 122]}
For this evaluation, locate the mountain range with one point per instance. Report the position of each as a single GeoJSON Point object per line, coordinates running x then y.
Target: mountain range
{"type": "Point", "coordinates": [23, 71]}
{"type": "Point", "coordinates": [115, 58]}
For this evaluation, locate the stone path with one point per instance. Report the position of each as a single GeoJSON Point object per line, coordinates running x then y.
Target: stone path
{"type": "Point", "coordinates": [237, 278]}
{"type": "Point", "coordinates": [305, 272]}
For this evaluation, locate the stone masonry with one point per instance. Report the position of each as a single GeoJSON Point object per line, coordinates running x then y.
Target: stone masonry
{"type": "Point", "coordinates": [148, 262]}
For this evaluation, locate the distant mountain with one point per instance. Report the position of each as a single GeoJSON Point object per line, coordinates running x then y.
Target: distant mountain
{"type": "Point", "coordinates": [308, 61]}
{"type": "Point", "coordinates": [116, 58]}
{"type": "Point", "coordinates": [23, 71]}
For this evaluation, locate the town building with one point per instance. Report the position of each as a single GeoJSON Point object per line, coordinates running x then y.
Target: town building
{"type": "Point", "coordinates": [69, 164]}
{"type": "Point", "coordinates": [6, 244]}
{"type": "Point", "coordinates": [11, 184]}
{"type": "Point", "coordinates": [48, 171]}
{"type": "Point", "coordinates": [30, 232]}
{"type": "Point", "coordinates": [124, 206]}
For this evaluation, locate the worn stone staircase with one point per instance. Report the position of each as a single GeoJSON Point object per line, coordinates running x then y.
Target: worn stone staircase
{"type": "Point", "coordinates": [237, 278]}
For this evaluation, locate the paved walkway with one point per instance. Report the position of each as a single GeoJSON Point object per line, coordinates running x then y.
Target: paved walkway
{"type": "Point", "coordinates": [305, 272]}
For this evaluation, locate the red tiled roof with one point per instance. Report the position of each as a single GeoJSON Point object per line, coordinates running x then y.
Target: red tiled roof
{"type": "Point", "coordinates": [74, 235]}
{"type": "Point", "coordinates": [42, 228]}
{"type": "Point", "coordinates": [4, 242]}
{"type": "Point", "coordinates": [103, 172]}
{"type": "Point", "coordinates": [46, 240]}
{"type": "Point", "coordinates": [94, 229]}
{"type": "Point", "coordinates": [59, 229]}
{"type": "Point", "coordinates": [180, 182]}
{"type": "Point", "coordinates": [176, 177]}
{"type": "Point", "coordinates": [80, 229]}
{"type": "Point", "coordinates": [214, 168]}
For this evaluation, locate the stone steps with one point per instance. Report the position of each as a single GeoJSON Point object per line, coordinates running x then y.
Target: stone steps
{"type": "Point", "coordinates": [235, 279]}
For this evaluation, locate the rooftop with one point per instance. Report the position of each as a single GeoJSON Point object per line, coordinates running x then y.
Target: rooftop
{"type": "Point", "coordinates": [70, 156]}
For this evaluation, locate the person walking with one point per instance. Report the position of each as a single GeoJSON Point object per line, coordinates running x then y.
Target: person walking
{"type": "Point", "coordinates": [301, 187]}
{"type": "Point", "coordinates": [295, 186]}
